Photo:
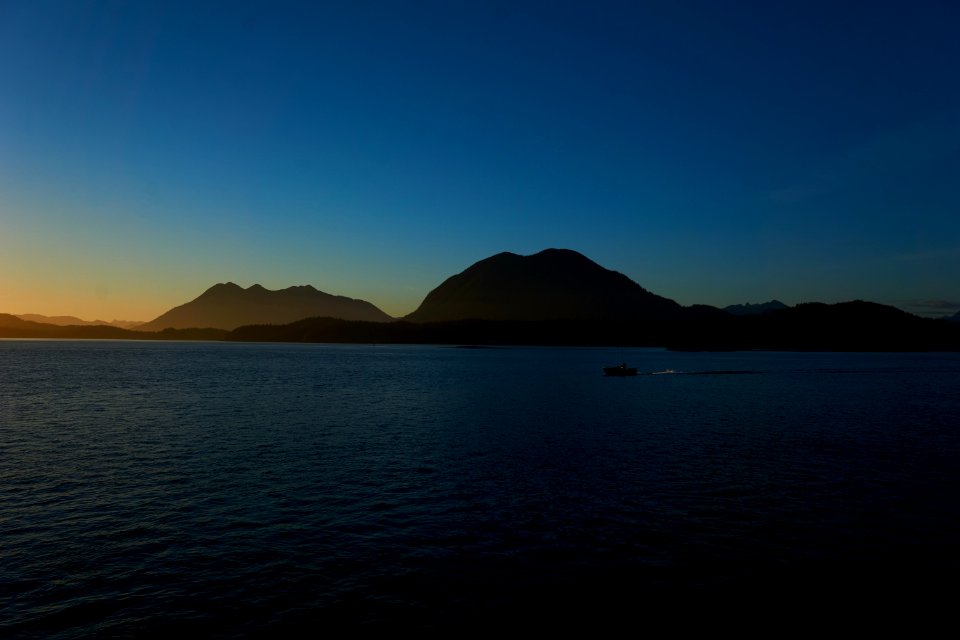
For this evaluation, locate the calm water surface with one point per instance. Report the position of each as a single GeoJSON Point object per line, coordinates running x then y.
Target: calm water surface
{"type": "Point", "coordinates": [250, 489]}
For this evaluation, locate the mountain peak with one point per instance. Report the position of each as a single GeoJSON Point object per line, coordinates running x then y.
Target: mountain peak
{"type": "Point", "coordinates": [228, 306]}
{"type": "Point", "coordinates": [549, 285]}
{"type": "Point", "coordinates": [561, 254]}
{"type": "Point", "coordinates": [224, 286]}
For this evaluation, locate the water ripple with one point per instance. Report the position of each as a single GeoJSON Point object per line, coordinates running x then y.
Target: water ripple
{"type": "Point", "coordinates": [237, 490]}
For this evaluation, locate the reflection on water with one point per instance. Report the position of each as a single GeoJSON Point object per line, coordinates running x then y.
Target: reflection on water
{"type": "Point", "coordinates": [241, 489]}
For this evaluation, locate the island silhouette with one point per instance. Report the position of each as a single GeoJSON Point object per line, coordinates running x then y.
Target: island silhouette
{"type": "Point", "coordinates": [228, 306]}
{"type": "Point", "coordinates": [554, 297]}
{"type": "Point", "coordinates": [555, 284]}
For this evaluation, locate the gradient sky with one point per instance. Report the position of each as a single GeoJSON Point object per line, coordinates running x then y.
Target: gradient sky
{"type": "Point", "coordinates": [714, 152]}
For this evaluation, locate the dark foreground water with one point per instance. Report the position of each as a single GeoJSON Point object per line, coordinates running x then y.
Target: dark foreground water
{"type": "Point", "coordinates": [243, 490]}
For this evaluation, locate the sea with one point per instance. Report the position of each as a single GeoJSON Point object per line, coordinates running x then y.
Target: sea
{"type": "Point", "coordinates": [249, 490]}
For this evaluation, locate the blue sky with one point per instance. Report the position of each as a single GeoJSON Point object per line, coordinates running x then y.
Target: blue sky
{"type": "Point", "coordinates": [714, 152]}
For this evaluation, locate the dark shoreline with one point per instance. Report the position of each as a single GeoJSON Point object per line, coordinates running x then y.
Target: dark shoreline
{"type": "Point", "coordinates": [850, 326]}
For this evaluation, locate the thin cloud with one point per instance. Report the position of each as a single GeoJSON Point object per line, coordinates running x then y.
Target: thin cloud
{"type": "Point", "coordinates": [931, 308]}
{"type": "Point", "coordinates": [938, 305]}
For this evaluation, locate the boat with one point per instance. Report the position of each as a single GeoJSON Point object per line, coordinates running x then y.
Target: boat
{"type": "Point", "coordinates": [620, 370]}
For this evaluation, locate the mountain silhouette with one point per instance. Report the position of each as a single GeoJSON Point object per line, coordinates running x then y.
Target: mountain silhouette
{"type": "Point", "coordinates": [748, 309]}
{"type": "Point", "coordinates": [13, 327]}
{"type": "Point", "coordinates": [228, 306]}
{"type": "Point", "coordinates": [555, 284]}
{"type": "Point", "coordinates": [11, 322]}
{"type": "Point", "coordinates": [68, 321]}
{"type": "Point", "coordinates": [555, 297]}
{"type": "Point", "coordinates": [857, 325]}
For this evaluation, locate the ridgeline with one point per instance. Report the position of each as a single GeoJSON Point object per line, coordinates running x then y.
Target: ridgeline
{"type": "Point", "coordinates": [555, 297]}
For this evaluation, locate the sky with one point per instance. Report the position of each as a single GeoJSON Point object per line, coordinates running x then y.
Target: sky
{"type": "Point", "coordinates": [714, 152]}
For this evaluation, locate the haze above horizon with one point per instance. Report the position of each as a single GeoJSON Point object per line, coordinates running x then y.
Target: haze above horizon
{"type": "Point", "coordinates": [714, 154]}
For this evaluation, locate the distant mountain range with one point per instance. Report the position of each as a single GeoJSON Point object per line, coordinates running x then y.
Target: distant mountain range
{"type": "Point", "coordinates": [814, 326]}
{"type": "Point", "coordinates": [9, 321]}
{"type": "Point", "coordinates": [13, 327]}
{"type": "Point", "coordinates": [748, 309]}
{"type": "Point", "coordinates": [228, 306]}
{"type": "Point", "coordinates": [555, 284]}
{"type": "Point", "coordinates": [65, 321]}
{"type": "Point", "coordinates": [555, 297]}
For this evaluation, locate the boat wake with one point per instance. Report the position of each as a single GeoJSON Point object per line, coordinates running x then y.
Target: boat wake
{"type": "Point", "coordinates": [726, 372]}
{"type": "Point", "coordinates": [624, 370]}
